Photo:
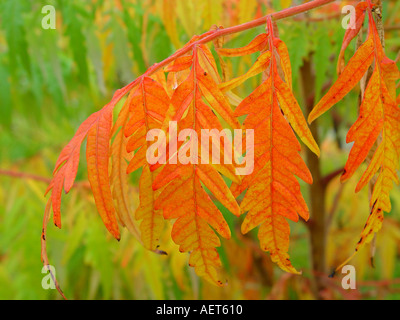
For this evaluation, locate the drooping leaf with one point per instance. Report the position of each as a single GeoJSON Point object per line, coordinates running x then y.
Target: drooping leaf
{"type": "Point", "coordinates": [347, 80]}
{"type": "Point", "coordinates": [379, 118]}
{"type": "Point", "coordinates": [98, 127]}
{"type": "Point", "coordinates": [377, 129]}
{"type": "Point", "coordinates": [148, 107]}
{"type": "Point", "coordinates": [119, 177]}
{"type": "Point", "coordinates": [183, 196]}
{"type": "Point", "coordinates": [97, 156]}
{"type": "Point", "coordinates": [351, 32]}
{"type": "Point", "coordinates": [273, 192]}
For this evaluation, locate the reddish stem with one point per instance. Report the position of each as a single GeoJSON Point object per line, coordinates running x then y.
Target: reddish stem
{"type": "Point", "coordinates": [30, 176]}
{"type": "Point", "coordinates": [213, 34]}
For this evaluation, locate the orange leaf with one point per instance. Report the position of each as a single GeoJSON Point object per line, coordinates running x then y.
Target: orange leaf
{"type": "Point", "coordinates": [256, 45]}
{"type": "Point", "coordinates": [152, 220]}
{"type": "Point", "coordinates": [351, 33]}
{"type": "Point", "coordinates": [182, 196]}
{"type": "Point", "coordinates": [366, 129]}
{"type": "Point", "coordinates": [258, 67]}
{"type": "Point", "coordinates": [378, 125]}
{"type": "Point", "coordinates": [179, 64]}
{"type": "Point", "coordinates": [118, 177]}
{"type": "Point", "coordinates": [390, 75]}
{"type": "Point", "coordinates": [97, 156]}
{"type": "Point", "coordinates": [378, 110]}
{"type": "Point", "coordinates": [67, 167]}
{"type": "Point", "coordinates": [292, 111]}
{"type": "Point", "coordinates": [184, 199]}
{"type": "Point", "coordinates": [273, 192]}
{"type": "Point", "coordinates": [274, 238]}
{"type": "Point", "coordinates": [347, 80]}
{"type": "Point", "coordinates": [285, 60]}
{"type": "Point", "coordinates": [148, 108]}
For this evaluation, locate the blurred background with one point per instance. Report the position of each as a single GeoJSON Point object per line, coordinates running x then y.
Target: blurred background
{"type": "Point", "coordinates": [51, 80]}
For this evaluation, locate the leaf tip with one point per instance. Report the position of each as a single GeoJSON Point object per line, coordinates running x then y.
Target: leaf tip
{"type": "Point", "coordinates": [345, 176]}
{"type": "Point", "coordinates": [311, 117]}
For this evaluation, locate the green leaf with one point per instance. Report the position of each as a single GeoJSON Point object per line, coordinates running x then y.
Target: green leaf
{"type": "Point", "coordinates": [13, 23]}
{"type": "Point", "coordinates": [74, 31]}
{"type": "Point", "coordinates": [120, 49]}
{"type": "Point", "coordinates": [321, 60]}
{"type": "Point", "coordinates": [98, 255]}
{"type": "Point", "coordinates": [296, 37]}
{"type": "Point", "coordinates": [135, 26]}
{"type": "Point", "coordinates": [5, 97]}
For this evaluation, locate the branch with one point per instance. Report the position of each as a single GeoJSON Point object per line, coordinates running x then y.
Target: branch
{"type": "Point", "coordinates": [397, 57]}
{"type": "Point", "coordinates": [319, 19]}
{"type": "Point", "coordinates": [214, 34]}
{"type": "Point", "coordinates": [329, 177]}
{"type": "Point", "coordinates": [392, 27]}
{"type": "Point", "coordinates": [23, 175]}
{"type": "Point", "coordinates": [335, 204]}
{"type": "Point", "coordinates": [30, 176]}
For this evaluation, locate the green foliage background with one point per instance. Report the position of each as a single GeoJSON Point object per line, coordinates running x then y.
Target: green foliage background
{"type": "Point", "coordinates": [51, 80]}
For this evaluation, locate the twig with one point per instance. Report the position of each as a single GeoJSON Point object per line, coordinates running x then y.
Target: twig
{"type": "Point", "coordinates": [392, 27]}
{"type": "Point", "coordinates": [44, 257]}
{"type": "Point", "coordinates": [30, 176]}
{"type": "Point", "coordinates": [328, 178]}
{"type": "Point", "coordinates": [398, 57]}
{"type": "Point", "coordinates": [214, 34]}
{"type": "Point", "coordinates": [24, 175]}
{"type": "Point", "coordinates": [335, 203]}
{"type": "Point", "coordinates": [319, 19]}
{"type": "Point", "coordinates": [378, 283]}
